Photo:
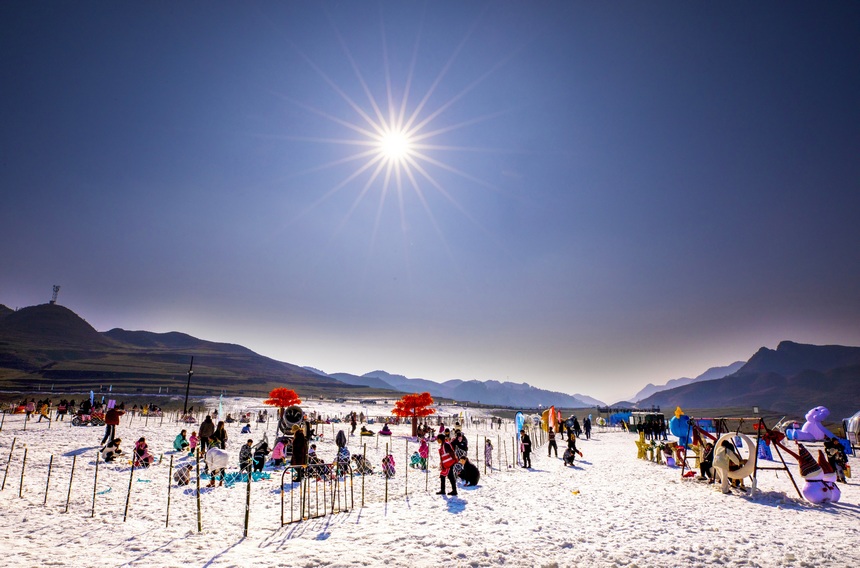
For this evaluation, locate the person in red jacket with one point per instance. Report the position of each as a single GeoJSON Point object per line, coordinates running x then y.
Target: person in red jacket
{"type": "Point", "coordinates": [447, 459]}
{"type": "Point", "coordinates": [112, 417]}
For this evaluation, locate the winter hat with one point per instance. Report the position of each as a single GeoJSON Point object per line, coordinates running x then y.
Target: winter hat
{"type": "Point", "coordinates": [823, 463]}
{"type": "Point", "coordinates": [808, 467]}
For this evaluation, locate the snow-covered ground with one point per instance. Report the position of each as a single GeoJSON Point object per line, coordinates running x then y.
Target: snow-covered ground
{"type": "Point", "coordinates": [610, 510]}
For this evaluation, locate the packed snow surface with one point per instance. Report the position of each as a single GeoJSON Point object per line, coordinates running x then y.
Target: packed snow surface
{"type": "Point", "coordinates": [611, 509]}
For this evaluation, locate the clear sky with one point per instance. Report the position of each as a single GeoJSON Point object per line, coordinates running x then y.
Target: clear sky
{"type": "Point", "coordinates": [584, 196]}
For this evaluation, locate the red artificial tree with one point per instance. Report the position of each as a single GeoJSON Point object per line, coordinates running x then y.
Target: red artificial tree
{"type": "Point", "coordinates": [282, 398]}
{"type": "Point", "coordinates": [414, 406]}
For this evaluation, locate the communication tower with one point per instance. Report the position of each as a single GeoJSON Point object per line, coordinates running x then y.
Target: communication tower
{"type": "Point", "coordinates": [54, 296]}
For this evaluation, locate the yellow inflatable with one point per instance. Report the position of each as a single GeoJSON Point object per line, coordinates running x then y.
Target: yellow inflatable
{"type": "Point", "coordinates": [642, 446]}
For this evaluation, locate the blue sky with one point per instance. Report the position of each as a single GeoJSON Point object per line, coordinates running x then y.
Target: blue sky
{"type": "Point", "coordinates": [604, 194]}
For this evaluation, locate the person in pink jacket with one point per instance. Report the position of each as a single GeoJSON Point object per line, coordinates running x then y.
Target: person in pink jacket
{"type": "Point", "coordinates": [278, 456]}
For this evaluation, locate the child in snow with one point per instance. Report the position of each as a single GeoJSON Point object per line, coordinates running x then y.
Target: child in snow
{"type": "Point", "coordinates": [469, 474]}
{"type": "Point", "coordinates": [569, 456]}
{"type": "Point", "coordinates": [112, 450]}
{"type": "Point", "coordinates": [388, 466]}
{"type": "Point", "coordinates": [182, 475]}
{"type": "Point", "coordinates": [142, 457]}
{"type": "Point", "coordinates": [192, 443]}
{"type": "Point", "coordinates": [261, 451]}
{"type": "Point", "coordinates": [245, 455]}
{"type": "Point", "coordinates": [278, 453]}
{"type": "Point", "coordinates": [488, 454]}
{"type": "Point", "coordinates": [180, 443]}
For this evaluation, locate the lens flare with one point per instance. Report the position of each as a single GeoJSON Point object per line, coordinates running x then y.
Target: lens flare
{"type": "Point", "coordinates": [395, 145]}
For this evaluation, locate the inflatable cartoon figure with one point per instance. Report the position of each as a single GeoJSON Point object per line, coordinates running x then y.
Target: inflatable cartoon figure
{"type": "Point", "coordinates": [641, 446]}
{"type": "Point", "coordinates": [813, 430]}
{"type": "Point", "coordinates": [680, 427]}
{"type": "Point", "coordinates": [816, 489]}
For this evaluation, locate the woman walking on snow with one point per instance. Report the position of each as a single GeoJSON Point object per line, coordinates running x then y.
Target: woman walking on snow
{"type": "Point", "coordinates": [526, 445]}
{"type": "Point", "coordinates": [488, 454]}
{"type": "Point", "coordinates": [552, 443]}
{"type": "Point", "coordinates": [447, 459]}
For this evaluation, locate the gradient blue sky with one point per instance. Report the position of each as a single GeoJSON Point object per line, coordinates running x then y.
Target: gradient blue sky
{"type": "Point", "coordinates": [613, 193]}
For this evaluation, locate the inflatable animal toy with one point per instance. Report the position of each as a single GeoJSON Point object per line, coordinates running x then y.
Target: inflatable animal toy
{"type": "Point", "coordinates": [813, 430]}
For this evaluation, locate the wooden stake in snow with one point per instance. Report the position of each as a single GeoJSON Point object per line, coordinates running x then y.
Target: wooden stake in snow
{"type": "Point", "coordinates": [95, 484]}
{"type": "Point", "coordinates": [406, 467]}
{"type": "Point", "coordinates": [362, 477]}
{"type": "Point", "coordinates": [169, 479]}
{"type": "Point", "coordinates": [71, 478]}
{"type": "Point", "coordinates": [8, 462]}
{"type": "Point", "coordinates": [2, 420]}
{"type": "Point", "coordinates": [128, 495]}
{"type": "Point", "coordinates": [48, 483]}
{"type": "Point", "coordinates": [247, 505]}
{"type": "Point", "coordinates": [199, 514]}
{"type": "Point", "coordinates": [23, 466]}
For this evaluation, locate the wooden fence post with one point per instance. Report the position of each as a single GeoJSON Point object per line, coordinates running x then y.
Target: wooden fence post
{"type": "Point", "coordinates": [48, 482]}
{"type": "Point", "coordinates": [23, 467]}
{"type": "Point", "coordinates": [169, 485]}
{"type": "Point", "coordinates": [128, 495]}
{"type": "Point", "coordinates": [247, 505]}
{"type": "Point", "coordinates": [8, 463]}
{"type": "Point", "coordinates": [199, 515]}
{"type": "Point", "coordinates": [95, 484]}
{"type": "Point", "coordinates": [71, 479]}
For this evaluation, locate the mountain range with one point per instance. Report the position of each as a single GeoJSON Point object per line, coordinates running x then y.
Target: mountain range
{"type": "Point", "coordinates": [46, 345]}
{"type": "Point", "coordinates": [49, 345]}
{"type": "Point", "coordinates": [791, 379]}
{"type": "Point", "coordinates": [520, 395]}
{"type": "Point", "coordinates": [711, 374]}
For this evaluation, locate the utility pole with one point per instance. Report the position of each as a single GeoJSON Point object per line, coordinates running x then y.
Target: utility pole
{"type": "Point", "coordinates": [188, 385]}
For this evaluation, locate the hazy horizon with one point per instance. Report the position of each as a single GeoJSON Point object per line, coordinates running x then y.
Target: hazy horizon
{"type": "Point", "coordinates": [582, 196]}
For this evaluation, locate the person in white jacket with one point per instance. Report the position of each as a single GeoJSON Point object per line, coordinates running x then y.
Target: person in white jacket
{"type": "Point", "coordinates": [725, 456]}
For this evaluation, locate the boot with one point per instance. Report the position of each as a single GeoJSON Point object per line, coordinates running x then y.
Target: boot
{"type": "Point", "coordinates": [442, 487]}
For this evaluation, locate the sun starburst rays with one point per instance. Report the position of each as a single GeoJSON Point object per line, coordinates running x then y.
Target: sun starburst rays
{"type": "Point", "coordinates": [400, 145]}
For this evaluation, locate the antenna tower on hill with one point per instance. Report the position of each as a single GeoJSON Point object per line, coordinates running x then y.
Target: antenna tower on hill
{"type": "Point", "coordinates": [54, 296]}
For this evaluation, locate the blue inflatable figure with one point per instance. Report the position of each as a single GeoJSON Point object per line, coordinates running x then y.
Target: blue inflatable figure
{"type": "Point", "coordinates": [680, 426]}
{"type": "Point", "coordinates": [764, 452]}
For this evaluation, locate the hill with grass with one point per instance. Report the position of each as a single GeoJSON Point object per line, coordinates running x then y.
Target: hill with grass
{"type": "Point", "coordinates": [49, 346]}
{"type": "Point", "coordinates": [790, 379]}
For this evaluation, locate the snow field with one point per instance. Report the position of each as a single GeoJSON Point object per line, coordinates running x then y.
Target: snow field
{"type": "Point", "coordinates": [611, 509]}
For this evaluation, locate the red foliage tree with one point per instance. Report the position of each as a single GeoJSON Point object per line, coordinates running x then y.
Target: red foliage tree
{"type": "Point", "coordinates": [282, 398]}
{"type": "Point", "coordinates": [414, 406]}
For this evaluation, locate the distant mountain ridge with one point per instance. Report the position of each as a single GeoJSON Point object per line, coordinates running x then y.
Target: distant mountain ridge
{"type": "Point", "coordinates": [51, 345]}
{"type": "Point", "coordinates": [793, 378]}
{"type": "Point", "coordinates": [491, 392]}
{"type": "Point", "coordinates": [711, 374]}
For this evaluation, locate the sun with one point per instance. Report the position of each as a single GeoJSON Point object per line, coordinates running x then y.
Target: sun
{"type": "Point", "coordinates": [395, 145]}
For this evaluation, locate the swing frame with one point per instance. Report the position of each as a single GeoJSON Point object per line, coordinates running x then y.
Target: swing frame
{"type": "Point", "coordinates": [722, 428]}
